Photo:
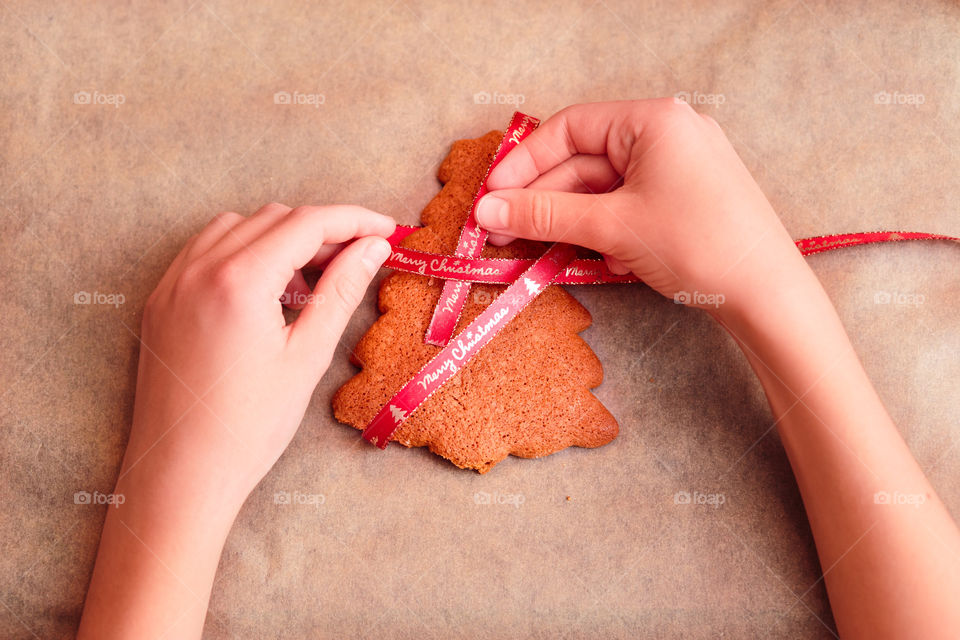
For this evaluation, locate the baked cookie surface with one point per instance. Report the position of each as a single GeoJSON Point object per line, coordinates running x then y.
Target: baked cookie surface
{"type": "Point", "coordinates": [525, 394]}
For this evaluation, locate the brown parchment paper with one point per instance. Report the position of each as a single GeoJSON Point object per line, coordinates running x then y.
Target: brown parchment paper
{"type": "Point", "coordinates": [99, 197]}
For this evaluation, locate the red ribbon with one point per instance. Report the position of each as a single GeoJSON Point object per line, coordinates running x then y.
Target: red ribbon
{"type": "Point", "coordinates": [527, 279]}
{"type": "Point", "coordinates": [468, 343]}
{"type": "Point", "coordinates": [472, 238]}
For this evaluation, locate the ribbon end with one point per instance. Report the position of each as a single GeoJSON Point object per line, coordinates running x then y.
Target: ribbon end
{"type": "Point", "coordinates": [377, 441]}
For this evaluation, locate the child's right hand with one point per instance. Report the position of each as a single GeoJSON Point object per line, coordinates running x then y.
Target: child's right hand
{"type": "Point", "coordinates": [687, 217]}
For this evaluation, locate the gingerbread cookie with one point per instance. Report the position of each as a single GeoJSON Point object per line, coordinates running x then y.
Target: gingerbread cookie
{"type": "Point", "coordinates": [526, 394]}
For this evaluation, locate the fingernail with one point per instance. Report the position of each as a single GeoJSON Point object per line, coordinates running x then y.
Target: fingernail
{"type": "Point", "coordinates": [375, 255]}
{"type": "Point", "coordinates": [492, 213]}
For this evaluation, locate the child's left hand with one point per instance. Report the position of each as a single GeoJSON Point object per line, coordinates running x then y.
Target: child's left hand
{"type": "Point", "coordinates": [223, 380]}
{"type": "Point", "coordinates": [222, 387]}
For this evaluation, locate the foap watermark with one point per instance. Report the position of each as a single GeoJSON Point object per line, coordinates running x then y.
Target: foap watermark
{"type": "Point", "coordinates": [898, 298]}
{"type": "Point", "coordinates": [699, 298]}
{"type": "Point", "coordinates": [697, 99]}
{"type": "Point", "coordinates": [296, 497]}
{"type": "Point", "coordinates": [697, 498]}
{"type": "Point", "coordinates": [485, 97]}
{"type": "Point", "coordinates": [300, 298]}
{"type": "Point", "coordinates": [899, 98]}
{"type": "Point", "coordinates": [504, 297]}
{"type": "Point", "coordinates": [297, 98]}
{"type": "Point", "coordinates": [898, 498]}
{"type": "Point", "coordinates": [96, 98]}
{"type": "Point", "coordinates": [97, 297]}
{"type": "Point", "coordinates": [517, 298]}
{"type": "Point", "coordinates": [515, 499]}
{"type": "Point", "coordinates": [85, 497]}
{"type": "Point", "coordinates": [481, 297]}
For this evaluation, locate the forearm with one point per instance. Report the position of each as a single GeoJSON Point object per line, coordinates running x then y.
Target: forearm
{"type": "Point", "coordinates": [892, 567]}
{"type": "Point", "coordinates": [160, 549]}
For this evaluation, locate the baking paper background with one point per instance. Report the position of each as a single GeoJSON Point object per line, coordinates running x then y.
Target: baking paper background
{"type": "Point", "coordinates": [99, 198]}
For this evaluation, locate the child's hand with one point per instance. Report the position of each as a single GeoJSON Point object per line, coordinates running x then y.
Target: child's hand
{"type": "Point", "coordinates": [687, 217]}
{"type": "Point", "coordinates": [222, 387]}
{"type": "Point", "coordinates": [223, 380]}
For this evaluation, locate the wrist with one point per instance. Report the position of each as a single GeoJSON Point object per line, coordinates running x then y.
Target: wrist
{"type": "Point", "coordinates": [178, 440]}
{"type": "Point", "coordinates": [791, 334]}
{"type": "Point", "coordinates": [181, 476]}
{"type": "Point", "coordinates": [176, 495]}
{"type": "Point", "coordinates": [768, 292]}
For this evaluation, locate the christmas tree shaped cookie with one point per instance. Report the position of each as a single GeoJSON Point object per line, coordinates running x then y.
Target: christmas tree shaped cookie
{"type": "Point", "coordinates": [526, 394]}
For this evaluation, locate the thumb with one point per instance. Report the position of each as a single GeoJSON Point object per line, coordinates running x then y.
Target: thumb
{"type": "Point", "coordinates": [585, 219]}
{"type": "Point", "coordinates": [336, 296]}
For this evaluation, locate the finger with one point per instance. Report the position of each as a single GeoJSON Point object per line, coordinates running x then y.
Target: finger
{"type": "Point", "coordinates": [500, 239]}
{"type": "Point", "coordinates": [579, 218]}
{"type": "Point", "coordinates": [326, 253]}
{"type": "Point", "coordinates": [219, 226]}
{"type": "Point", "coordinates": [605, 128]}
{"type": "Point", "coordinates": [579, 174]}
{"type": "Point", "coordinates": [299, 236]}
{"type": "Point", "coordinates": [296, 294]}
{"type": "Point", "coordinates": [176, 266]}
{"type": "Point", "coordinates": [200, 243]}
{"type": "Point", "coordinates": [616, 266]}
{"type": "Point", "coordinates": [341, 288]}
{"type": "Point", "coordinates": [710, 120]}
{"type": "Point", "coordinates": [249, 229]}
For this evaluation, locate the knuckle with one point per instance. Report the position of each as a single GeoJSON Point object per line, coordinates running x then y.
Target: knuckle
{"type": "Point", "coordinates": [181, 289]}
{"type": "Point", "coordinates": [272, 212]}
{"type": "Point", "coordinates": [714, 128]}
{"type": "Point", "coordinates": [673, 111]}
{"type": "Point", "coordinates": [187, 283]}
{"type": "Point", "coordinates": [302, 211]}
{"type": "Point", "coordinates": [606, 233]}
{"type": "Point", "coordinates": [202, 286]}
{"type": "Point", "coordinates": [349, 290]}
{"type": "Point", "coordinates": [228, 276]}
{"type": "Point", "coordinates": [276, 206]}
{"type": "Point", "coordinates": [677, 119]}
{"type": "Point", "coordinates": [223, 220]}
{"type": "Point", "coordinates": [675, 105]}
{"type": "Point", "coordinates": [222, 283]}
{"type": "Point", "coordinates": [189, 277]}
{"type": "Point", "coordinates": [566, 114]}
{"type": "Point", "coordinates": [566, 111]}
{"type": "Point", "coordinates": [542, 215]}
{"type": "Point", "coordinates": [150, 306]}
{"type": "Point", "coordinates": [227, 217]}
{"type": "Point", "coordinates": [300, 215]}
